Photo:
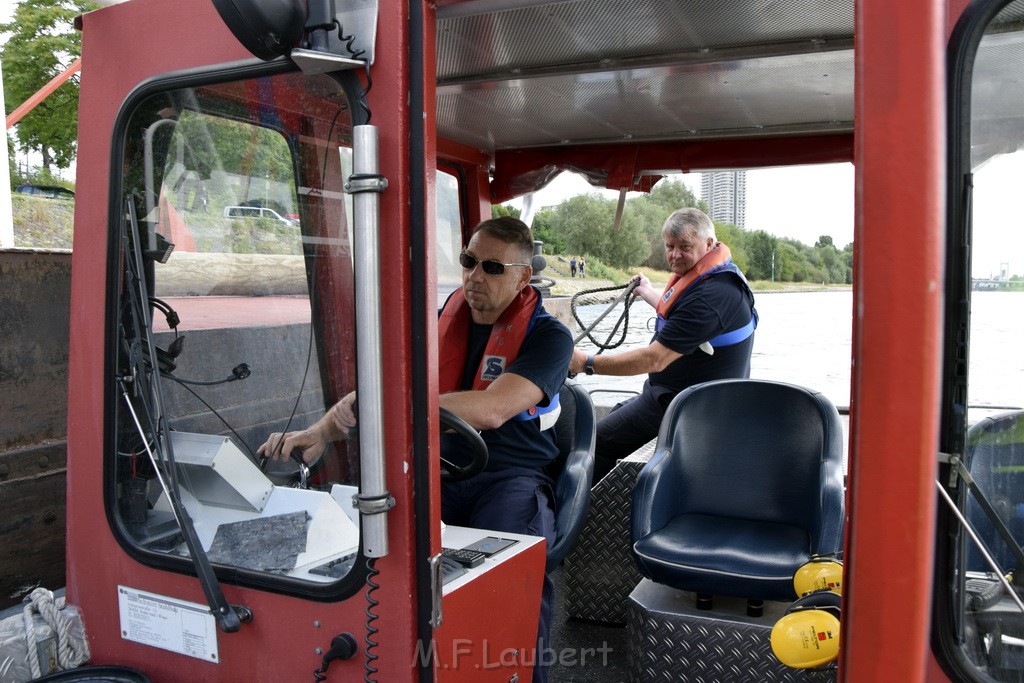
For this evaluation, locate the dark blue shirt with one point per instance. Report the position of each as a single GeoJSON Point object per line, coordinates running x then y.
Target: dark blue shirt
{"type": "Point", "coordinates": [544, 360]}
{"type": "Point", "coordinates": [719, 303]}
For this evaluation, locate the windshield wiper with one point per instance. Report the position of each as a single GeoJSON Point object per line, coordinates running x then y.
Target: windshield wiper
{"type": "Point", "coordinates": [161, 454]}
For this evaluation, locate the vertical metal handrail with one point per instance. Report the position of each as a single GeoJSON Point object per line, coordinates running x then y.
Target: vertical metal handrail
{"type": "Point", "coordinates": [365, 184]}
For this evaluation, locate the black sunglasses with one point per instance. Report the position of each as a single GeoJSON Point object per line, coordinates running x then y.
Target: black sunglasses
{"type": "Point", "coordinates": [490, 267]}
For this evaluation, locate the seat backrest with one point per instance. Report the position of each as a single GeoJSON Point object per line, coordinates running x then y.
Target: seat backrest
{"type": "Point", "coordinates": [755, 450]}
{"type": "Point", "coordinates": [575, 434]}
{"type": "Point", "coordinates": [994, 455]}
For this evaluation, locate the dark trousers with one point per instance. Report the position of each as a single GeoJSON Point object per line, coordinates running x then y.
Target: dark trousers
{"type": "Point", "coordinates": [516, 500]}
{"type": "Point", "coordinates": [628, 426]}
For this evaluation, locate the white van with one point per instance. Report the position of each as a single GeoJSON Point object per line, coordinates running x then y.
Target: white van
{"type": "Point", "coordinates": [256, 212]}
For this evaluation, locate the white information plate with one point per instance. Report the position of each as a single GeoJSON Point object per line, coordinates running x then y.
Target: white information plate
{"type": "Point", "coordinates": [168, 623]}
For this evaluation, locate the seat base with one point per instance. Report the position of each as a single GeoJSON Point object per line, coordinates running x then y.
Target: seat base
{"type": "Point", "coordinates": [669, 640]}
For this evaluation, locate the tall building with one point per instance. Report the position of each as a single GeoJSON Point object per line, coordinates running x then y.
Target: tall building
{"type": "Point", "coordinates": [726, 195]}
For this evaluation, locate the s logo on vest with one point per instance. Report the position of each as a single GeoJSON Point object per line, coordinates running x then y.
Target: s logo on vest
{"type": "Point", "coordinates": [491, 367]}
{"type": "Point", "coordinates": [668, 293]}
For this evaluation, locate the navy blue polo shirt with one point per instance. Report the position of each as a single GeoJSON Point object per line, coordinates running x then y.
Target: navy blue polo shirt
{"type": "Point", "coordinates": [544, 360]}
{"type": "Point", "coordinates": [717, 304]}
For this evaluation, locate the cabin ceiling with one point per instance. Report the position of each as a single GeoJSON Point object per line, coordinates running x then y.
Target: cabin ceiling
{"type": "Point", "coordinates": [522, 73]}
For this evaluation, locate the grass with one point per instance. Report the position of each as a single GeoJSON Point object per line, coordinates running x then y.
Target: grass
{"type": "Point", "coordinates": [41, 223]}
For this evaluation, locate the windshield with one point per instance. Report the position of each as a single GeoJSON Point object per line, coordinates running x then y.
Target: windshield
{"type": "Point", "coordinates": [988, 613]}
{"type": "Point", "coordinates": [236, 321]}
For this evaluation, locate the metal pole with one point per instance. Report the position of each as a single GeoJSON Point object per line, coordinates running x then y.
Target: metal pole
{"type": "Point", "coordinates": [365, 184]}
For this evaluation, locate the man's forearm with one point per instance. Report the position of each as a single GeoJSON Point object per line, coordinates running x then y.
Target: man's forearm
{"type": "Point", "coordinates": [635, 362]}
{"type": "Point", "coordinates": [472, 407]}
{"type": "Point", "coordinates": [653, 358]}
{"type": "Point", "coordinates": [329, 427]}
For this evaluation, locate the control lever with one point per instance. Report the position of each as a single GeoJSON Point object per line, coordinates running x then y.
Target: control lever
{"type": "Point", "coordinates": [303, 469]}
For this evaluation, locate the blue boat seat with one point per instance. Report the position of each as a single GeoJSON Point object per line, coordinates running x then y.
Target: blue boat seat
{"type": "Point", "coordinates": [575, 433]}
{"type": "Point", "coordinates": [744, 486]}
{"type": "Point", "coordinates": [994, 456]}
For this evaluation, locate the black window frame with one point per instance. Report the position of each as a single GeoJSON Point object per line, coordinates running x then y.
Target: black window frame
{"type": "Point", "coordinates": [352, 583]}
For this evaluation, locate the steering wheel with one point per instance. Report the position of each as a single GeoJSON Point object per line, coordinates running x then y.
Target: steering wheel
{"type": "Point", "coordinates": [449, 470]}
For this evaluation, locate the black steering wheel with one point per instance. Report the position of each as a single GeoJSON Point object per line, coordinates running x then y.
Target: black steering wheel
{"type": "Point", "coordinates": [449, 470]}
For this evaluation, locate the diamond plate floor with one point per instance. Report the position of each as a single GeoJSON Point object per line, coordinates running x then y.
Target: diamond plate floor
{"type": "Point", "coordinates": [586, 651]}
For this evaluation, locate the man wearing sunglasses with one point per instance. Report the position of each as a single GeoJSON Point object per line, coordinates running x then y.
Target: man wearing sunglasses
{"type": "Point", "coordinates": [503, 359]}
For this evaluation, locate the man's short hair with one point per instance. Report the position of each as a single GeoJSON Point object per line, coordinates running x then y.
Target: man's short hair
{"type": "Point", "coordinates": [510, 230]}
{"type": "Point", "coordinates": [689, 220]}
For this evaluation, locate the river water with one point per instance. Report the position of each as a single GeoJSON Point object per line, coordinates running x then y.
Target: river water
{"type": "Point", "coordinates": [805, 338]}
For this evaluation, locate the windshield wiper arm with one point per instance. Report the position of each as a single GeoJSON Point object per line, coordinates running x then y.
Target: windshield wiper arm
{"type": "Point", "coordinates": [162, 451]}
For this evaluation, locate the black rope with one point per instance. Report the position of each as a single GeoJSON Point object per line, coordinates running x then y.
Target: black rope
{"type": "Point", "coordinates": [621, 325]}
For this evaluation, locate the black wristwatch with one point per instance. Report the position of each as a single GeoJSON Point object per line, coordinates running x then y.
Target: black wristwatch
{"type": "Point", "coordinates": [589, 369]}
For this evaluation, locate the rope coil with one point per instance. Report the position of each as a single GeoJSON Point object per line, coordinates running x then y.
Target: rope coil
{"type": "Point", "coordinates": [621, 326]}
{"type": "Point", "coordinates": [72, 649]}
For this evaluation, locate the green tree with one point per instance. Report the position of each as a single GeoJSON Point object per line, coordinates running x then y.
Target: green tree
{"type": "Point", "coordinates": [736, 239]}
{"type": "Point", "coordinates": [672, 195]}
{"type": "Point", "coordinates": [543, 227]}
{"type": "Point", "coordinates": [42, 43]}
{"type": "Point", "coordinates": [499, 210]}
{"type": "Point", "coordinates": [761, 248]}
{"type": "Point", "coordinates": [544, 230]}
{"type": "Point", "coordinates": [587, 221]}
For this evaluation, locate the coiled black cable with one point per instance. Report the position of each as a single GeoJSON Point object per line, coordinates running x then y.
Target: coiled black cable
{"type": "Point", "coordinates": [371, 616]}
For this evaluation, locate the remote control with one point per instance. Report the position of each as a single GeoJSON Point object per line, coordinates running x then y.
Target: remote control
{"type": "Point", "coordinates": [467, 558]}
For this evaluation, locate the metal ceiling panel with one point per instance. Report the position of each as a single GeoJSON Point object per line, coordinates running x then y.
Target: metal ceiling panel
{"type": "Point", "coordinates": [520, 73]}
{"type": "Point", "coordinates": [587, 31]}
{"type": "Point", "coordinates": [728, 99]}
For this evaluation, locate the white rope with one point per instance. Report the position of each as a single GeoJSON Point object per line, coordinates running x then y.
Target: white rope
{"type": "Point", "coordinates": [71, 651]}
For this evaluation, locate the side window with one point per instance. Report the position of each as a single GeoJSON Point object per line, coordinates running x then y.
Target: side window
{"type": "Point", "coordinates": [989, 617]}
{"type": "Point", "coordinates": [236, 322]}
{"type": "Point", "coordinates": [449, 234]}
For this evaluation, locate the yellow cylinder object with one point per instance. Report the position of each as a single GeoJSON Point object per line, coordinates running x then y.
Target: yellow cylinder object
{"type": "Point", "coordinates": [817, 575]}
{"type": "Point", "coordinates": [806, 639]}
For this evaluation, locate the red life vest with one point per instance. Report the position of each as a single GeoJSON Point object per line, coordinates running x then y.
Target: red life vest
{"type": "Point", "coordinates": [507, 335]}
{"type": "Point", "coordinates": [716, 257]}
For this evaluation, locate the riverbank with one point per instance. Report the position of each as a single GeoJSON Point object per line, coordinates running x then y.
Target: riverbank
{"type": "Point", "coordinates": [566, 285]}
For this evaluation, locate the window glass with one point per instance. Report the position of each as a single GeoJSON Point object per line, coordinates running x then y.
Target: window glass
{"type": "Point", "coordinates": [449, 235]}
{"type": "Point", "coordinates": [238, 281]}
{"type": "Point", "coordinates": [992, 618]}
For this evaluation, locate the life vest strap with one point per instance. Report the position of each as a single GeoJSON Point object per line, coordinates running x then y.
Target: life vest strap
{"type": "Point", "coordinates": [546, 416]}
{"type": "Point", "coordinates": [736, 336]}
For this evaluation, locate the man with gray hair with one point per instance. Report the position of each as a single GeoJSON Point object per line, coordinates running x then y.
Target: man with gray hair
{"type": "Point", "coordinates": [704, 331]}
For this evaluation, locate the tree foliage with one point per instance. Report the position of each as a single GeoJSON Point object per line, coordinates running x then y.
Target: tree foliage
{"type": "Point", "coordinates": [41, 43]}
{"type": "Point", "coordinates": [588, 223]}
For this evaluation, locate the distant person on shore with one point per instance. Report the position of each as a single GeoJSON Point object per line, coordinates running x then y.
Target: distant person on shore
{"type": "Point", "coordinates": [583, 265]}
{"type": "Point", "coordinates": [572, 266]}
{"type": "Point", "coordinates": [707, 301]}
